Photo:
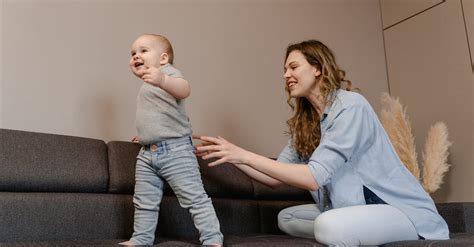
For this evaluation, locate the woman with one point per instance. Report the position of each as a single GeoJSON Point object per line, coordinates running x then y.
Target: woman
{"type": "Point", "coordinates": [340, 152]}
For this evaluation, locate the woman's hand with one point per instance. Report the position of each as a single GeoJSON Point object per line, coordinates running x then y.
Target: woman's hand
{"type": "Point", "coordinates": [218, 147]}
{"type": "Point", "coordinates": [198, 152]}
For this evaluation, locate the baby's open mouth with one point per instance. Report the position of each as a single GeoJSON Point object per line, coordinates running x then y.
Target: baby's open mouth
{"type": "Point", "coordinates": [138, 64]}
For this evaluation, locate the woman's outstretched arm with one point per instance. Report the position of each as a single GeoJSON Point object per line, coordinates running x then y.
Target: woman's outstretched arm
{"type": "Point", "coordinates": [296, 175]}
{"type": "Point", "coordinates": [254, 174]}
{"type": "Point", "coordinates": [260, 177]}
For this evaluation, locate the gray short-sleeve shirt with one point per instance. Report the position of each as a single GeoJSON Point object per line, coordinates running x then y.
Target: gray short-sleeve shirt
{"type": "Point", "coordinates": [159, 115]}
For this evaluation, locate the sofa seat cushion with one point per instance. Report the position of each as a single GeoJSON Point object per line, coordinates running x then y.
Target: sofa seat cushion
{"type": "Point", "coordinates": [103, 243]}
{"type": "Point", "coordinates": [269, 240]}
{"type": "Point", "coordinates": [36, 217]}
{"type": "Point", "coordinates": [250, 240]}
{"type": "Point", "coordinates": [457, 239]}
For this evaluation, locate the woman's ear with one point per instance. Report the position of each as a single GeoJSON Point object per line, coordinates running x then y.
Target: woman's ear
{"type": "Point", "coordinates": [164, 58]}
{"type": "Point", "coordinates": [317, 72]}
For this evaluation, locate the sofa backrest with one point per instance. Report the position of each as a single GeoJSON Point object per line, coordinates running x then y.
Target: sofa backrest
{"type": "Point", "coordinates": [224, 181]}
{"type": "Point", "coordinates": [37, 162]}
{"type": "Point", "coordinates": [458, 215]}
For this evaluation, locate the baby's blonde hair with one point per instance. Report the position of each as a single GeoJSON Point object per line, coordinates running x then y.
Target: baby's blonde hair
{"type": "Point", "coordinates": [166, 45]}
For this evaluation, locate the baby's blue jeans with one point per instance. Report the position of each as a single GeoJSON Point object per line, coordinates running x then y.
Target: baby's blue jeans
{"type": "Point", "coordinates": [172, 161]}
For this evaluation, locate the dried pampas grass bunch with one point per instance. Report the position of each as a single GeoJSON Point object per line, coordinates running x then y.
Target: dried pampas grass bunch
{"type": "Point", "coordinates": [397, 125]}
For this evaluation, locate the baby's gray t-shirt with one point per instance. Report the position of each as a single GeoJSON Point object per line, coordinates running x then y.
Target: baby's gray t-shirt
{"type": "Point", "coordinates": [160, 116]}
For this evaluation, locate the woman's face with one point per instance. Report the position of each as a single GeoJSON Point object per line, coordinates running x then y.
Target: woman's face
{"type": "Point", "coordinates": [300, 76]}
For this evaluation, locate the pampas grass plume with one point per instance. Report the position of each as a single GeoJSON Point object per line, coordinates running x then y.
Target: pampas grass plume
{"type": "Point", "coordinates": [435, 157]}
{"type": "Point", "coordinates": [397, 125]}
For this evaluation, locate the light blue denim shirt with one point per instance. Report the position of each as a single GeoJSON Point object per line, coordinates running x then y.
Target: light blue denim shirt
{"type": "Point", "coordinates": [355, 151]}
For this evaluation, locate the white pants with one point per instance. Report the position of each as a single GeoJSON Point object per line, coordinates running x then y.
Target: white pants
{"type": "Point", "coordinates": [350, 226]}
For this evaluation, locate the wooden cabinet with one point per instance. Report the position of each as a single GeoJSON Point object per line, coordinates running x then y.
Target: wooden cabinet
{"type": "Point", "coordinates": [396, 11]}
{"type": "Point", "coordinates": [429, 69]}
{"type": "Point", "coordinates": [468, 11]}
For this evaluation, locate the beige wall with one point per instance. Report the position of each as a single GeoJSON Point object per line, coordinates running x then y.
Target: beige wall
{"type": "Point", "coordinates": [65, 63]}
{"type": "Point", "coordinates": [429, 68]}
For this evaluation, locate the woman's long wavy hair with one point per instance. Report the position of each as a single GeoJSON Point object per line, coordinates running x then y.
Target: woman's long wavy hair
{"type": "Point", "coordinates": [304, 126]}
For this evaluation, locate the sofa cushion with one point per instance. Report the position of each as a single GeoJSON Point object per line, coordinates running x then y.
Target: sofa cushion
{"type": "Point", "coordinates": [62, 243]}
{"type": "Point", "coordinates": [236, 217]}
{"type": "Point", "coordinates": [64, 216]}
{"type": "Point", "coordinates": [469, 216]}
{"type": "Point", "coordinates": [122, 162]}
{"type": "Point", "coordinates": [225, 181]}
{"type": "Point", "coordinates": [270, 241]}
{"type": "Point", "coordinates": [122, 159]}
{"type": "Point", "coordinates": [458, 215]}
{"type": "Point", "coordinates": [100, 243]}
{"type": "Point", "coordinates": [264, 192]}
{"type": "Point", "coordinates": [37, 162]}
{"type": "Point", "coordinates": [456, 239]}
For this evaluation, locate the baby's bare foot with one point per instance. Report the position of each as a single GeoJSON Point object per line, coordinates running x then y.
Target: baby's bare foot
{"type": "Point", "coordinates": [126, 243]}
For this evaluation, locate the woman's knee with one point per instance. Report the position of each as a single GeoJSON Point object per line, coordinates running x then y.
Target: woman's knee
{"type": "Point", "coordinates": [298, 220]}
{"type": "Point", "coordinates": [284, 217]}
{"type": "Point", "coordinates": [306, 212]}
{"type": "Point", "coordinates": [328, 229]}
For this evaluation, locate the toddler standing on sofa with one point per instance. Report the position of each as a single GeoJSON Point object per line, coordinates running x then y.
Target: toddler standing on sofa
{"type": "Point", "coordinates": [167, 153]}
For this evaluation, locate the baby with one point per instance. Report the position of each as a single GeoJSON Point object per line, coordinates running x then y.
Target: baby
{"type": "Point", "coordinates": [168, 153]}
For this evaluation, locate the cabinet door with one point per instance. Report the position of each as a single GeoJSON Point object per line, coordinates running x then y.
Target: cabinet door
{"type": "Point", "coordinates": [395, 11]}
{"type": "Point", "coordinates": [429, 68]}
{"type": "Point", "coordinates": [468, 9]}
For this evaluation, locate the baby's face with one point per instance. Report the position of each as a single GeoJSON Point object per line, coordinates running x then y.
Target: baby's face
{"type": "Point", "coordinates": [146, 50]}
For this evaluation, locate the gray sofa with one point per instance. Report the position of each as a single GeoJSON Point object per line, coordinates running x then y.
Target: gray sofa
{"type": "Point", "coordinates": [70, 191]}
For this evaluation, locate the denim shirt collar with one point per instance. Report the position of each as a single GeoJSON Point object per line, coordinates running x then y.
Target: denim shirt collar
{"type": "Point", "coordinates": [330, 99]}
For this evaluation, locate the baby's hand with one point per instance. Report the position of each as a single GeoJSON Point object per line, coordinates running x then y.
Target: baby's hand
{"type": "Point", "coordinates": [153, 75]}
